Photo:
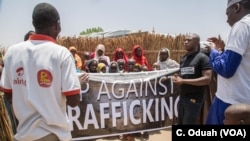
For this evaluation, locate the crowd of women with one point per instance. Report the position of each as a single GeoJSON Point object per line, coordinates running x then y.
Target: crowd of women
{"type": "Point", "coordinates": [99, 62]}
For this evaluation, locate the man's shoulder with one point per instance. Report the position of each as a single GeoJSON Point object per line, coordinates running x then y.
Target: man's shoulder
{"type": "Point", "coordinates": [52, 45]}
{"type": "Point", "coordinates": [19, 44]}
{"type": "Point", "coordinates": [15, 46]}
{"type": "Point", "coordinates": [202, 55]}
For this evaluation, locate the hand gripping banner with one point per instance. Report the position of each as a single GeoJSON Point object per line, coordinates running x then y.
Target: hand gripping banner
{"type": "Point", "coordinates": [122, 103]}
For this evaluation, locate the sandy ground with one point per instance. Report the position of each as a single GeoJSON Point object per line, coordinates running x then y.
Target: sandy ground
{"type": "Point", "coordinates": [161, 135]}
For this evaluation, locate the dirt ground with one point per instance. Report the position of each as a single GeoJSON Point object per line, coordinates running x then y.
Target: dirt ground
{"type": "Point", "coordinates": [161, 135]}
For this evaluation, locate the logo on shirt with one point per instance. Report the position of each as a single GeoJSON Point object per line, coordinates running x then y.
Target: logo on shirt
{"type": "Point", "coordinates": [19, 71]}
{"type": "Point", "coordinates": [187, 70]}
{"type": "Point", "coordinates": [19, 80]}
{"type": "Point", "coordinates": [44, 78]}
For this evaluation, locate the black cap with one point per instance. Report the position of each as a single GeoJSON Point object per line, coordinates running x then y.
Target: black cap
{"type": "Point", "coordinates": [44, 14]}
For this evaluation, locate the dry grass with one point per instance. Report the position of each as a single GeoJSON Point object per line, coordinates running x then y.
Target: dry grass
{"type": "Point", "coordinates": [150, 42]}
{"type": "Point", "coordinates": [6, 132]}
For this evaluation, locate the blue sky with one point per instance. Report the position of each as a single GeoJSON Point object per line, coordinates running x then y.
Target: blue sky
{"type": "Point", "coordinates": [204, 17]}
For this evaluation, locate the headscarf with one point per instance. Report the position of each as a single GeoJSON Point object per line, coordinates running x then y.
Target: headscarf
{"type": "Point", "coordinates": [103, 59]}
{"type": "Point", "coordinates": [140, 60]}
{"type": "Point", "coordinates": [101, 47]}
{"type": "Point", "coordinates": [92, 55]}
{"type": "Point", "coordinates": [125, 57]}
{"type": "Point", "coordinates": [89, 64]}
{"type": "Point", "coordinates": [100, 66]}
{"type": "Point", "coordinates": [77, 58]}
{"type": "Point", "coordinates": [72, 48]}
{"type": "Point", "coordinates": [119, 61]}
{"type": "Point", "coordinates": [168, 63]}
{"type": "Point", "coordinates": [113, 62]}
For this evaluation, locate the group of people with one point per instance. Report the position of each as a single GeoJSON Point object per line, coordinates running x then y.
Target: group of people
{"type": "Point", "coordinates": [100, 63]}
{"type": "Point", "coordinates": [39, 77]}
{"type": "Point", "coordinates": [229, 60]}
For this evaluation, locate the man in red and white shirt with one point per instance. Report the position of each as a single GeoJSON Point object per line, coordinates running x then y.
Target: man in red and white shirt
{"type": "Point", "coordinates": [40, 79]}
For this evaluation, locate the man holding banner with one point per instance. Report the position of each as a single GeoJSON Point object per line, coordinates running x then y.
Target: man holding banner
{"type": "Point", "coordinates": [125, 103]}
{"type": "Point", "coordinates": [195, 75]}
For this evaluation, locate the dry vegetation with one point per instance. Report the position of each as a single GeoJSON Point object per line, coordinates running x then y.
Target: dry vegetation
{"type": "Point", "coordinates": [6, 133]}
{"type": "Point", "coordinates": [151, 43]}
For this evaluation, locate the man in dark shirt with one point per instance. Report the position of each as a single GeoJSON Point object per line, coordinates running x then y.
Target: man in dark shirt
{"type": "Point", "coordinates": [195, 74]}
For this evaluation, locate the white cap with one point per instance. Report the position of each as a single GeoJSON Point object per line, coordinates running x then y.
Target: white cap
{"type": "Point", "coordinates": [232, 2]}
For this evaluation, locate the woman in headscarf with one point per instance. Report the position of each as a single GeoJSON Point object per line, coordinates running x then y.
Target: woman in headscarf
{"type": "Point", "coordinates": [113, 68]}
{"type": "Point", "coordinates": [100, 52]}
{"type": "Point", "coordinates": [77, 58]}
{"type": "Point", "coordinates": [138, 56]}
{"type": "Point", "coordinates": [164, 60]}
{"type": "Point", "coordinates": [121, 65]}
{"type": "Point", "coordinates": [101, 68]}
{"type": "Point", "coordinates": [92, 66]}
{"type": "Point", "coordinates": [120, 54]}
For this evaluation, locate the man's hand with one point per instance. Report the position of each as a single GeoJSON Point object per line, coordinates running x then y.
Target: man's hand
{"type": "Point", "coordinates": [216, 43]}
{"type": "Point", "coordinates": [177, 79]}
{"type": "Point", "coordinates": [84, 78]}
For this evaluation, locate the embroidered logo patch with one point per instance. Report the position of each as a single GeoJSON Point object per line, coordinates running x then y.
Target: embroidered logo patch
{"type": "Point", "coordinates": [44, 78]}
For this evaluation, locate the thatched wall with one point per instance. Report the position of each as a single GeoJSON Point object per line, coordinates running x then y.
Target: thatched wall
{"type": "Point", "coordinates": [150, 42]}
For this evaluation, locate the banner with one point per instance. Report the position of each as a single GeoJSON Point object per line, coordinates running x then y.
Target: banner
{"type": "Point", "coordinates": [121, 103]}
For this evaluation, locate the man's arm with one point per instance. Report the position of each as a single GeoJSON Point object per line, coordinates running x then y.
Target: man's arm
{"type": "Point", "coordinates": [73, 100]}
{"type": "Point", "coordinates": [201, 81]}
{"type": "Point", "coordinates": [226, 63]}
